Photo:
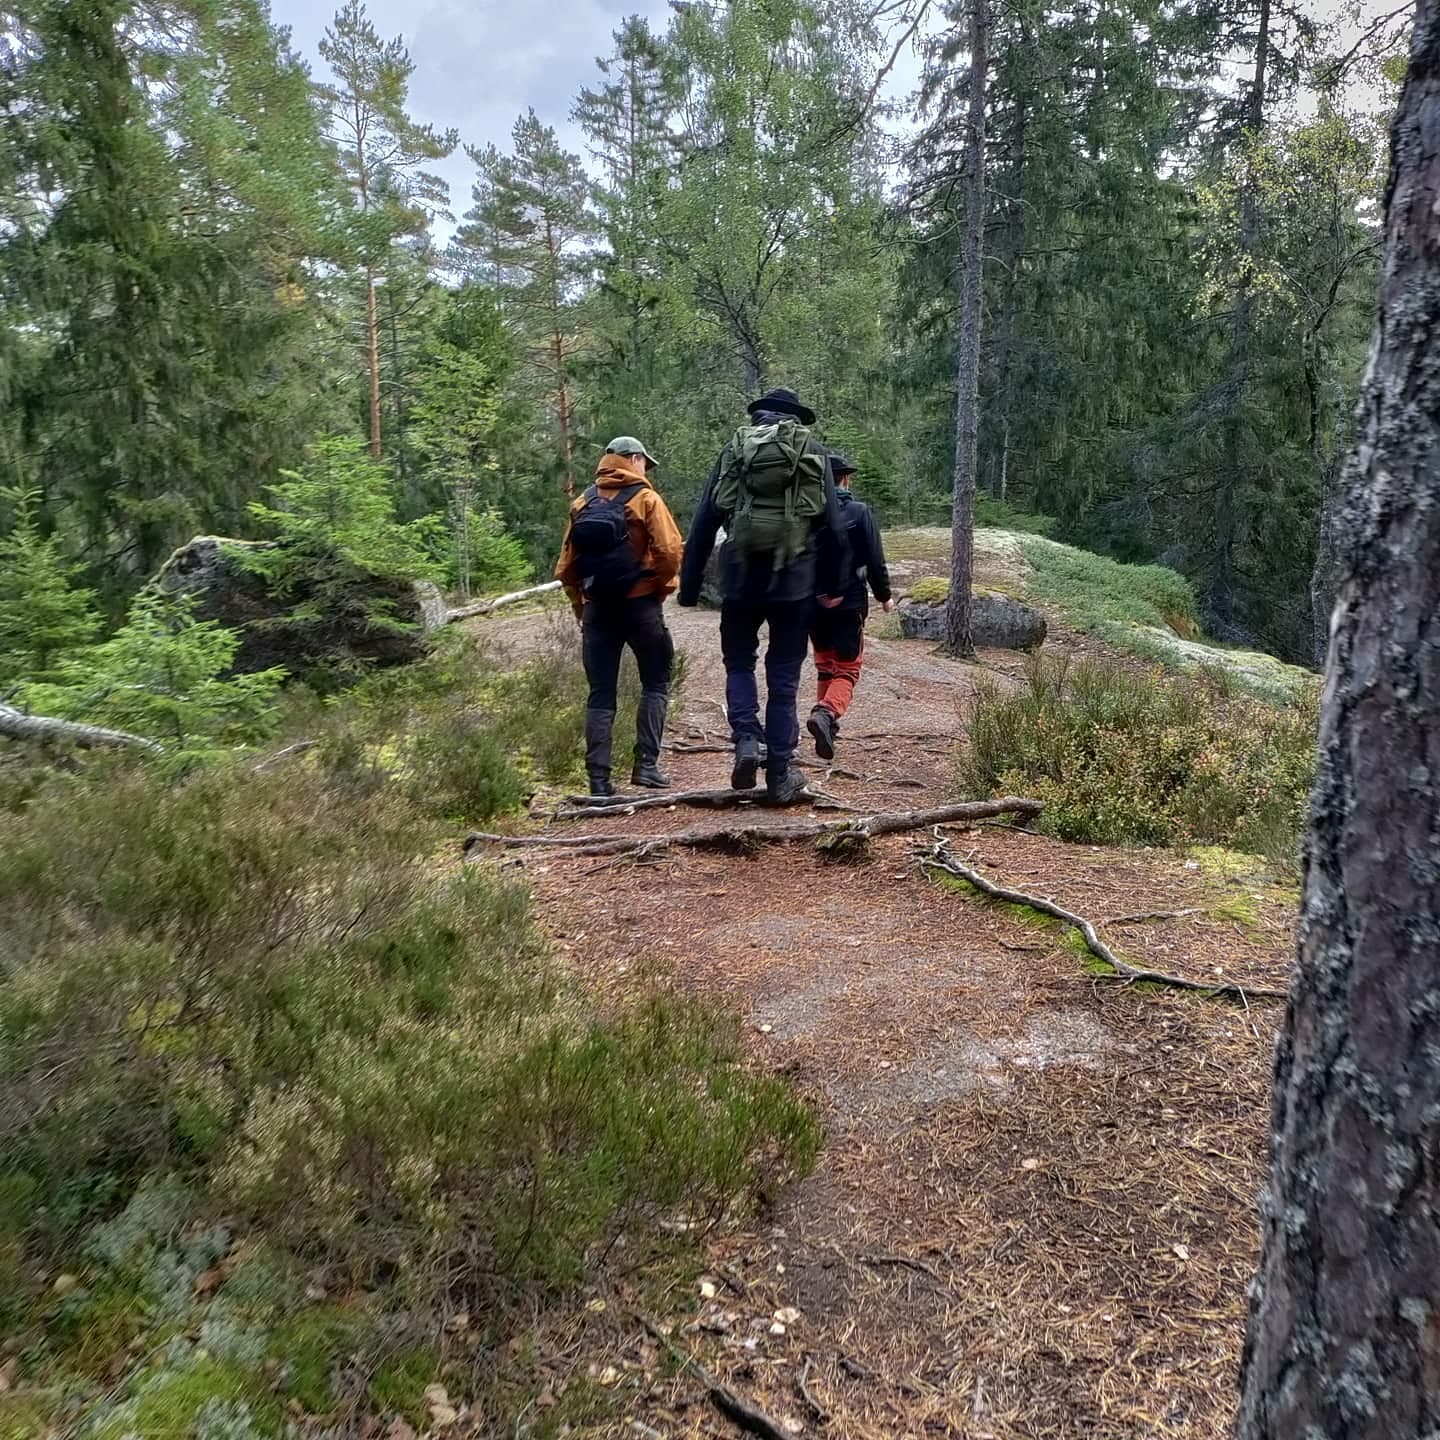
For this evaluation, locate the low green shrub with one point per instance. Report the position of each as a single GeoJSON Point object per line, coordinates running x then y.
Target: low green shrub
{"type": "Point", "coordinates": [1120, 757]}
{"type": "Point", "coordinates": [1103, 596]}
{"type": "Point", "coordinates": [246, 1004]}
{"type": "Point", "coordinates": [993, 514]}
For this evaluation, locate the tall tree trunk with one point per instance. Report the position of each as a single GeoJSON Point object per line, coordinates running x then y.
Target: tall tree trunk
{"type": "Point", "coordinates": [997, 465]}
{"type": "Point", "coordinates": [967, 368]}
{"type": "Point", "coordinates": [372, 338]}
{"type": "Point", "coordinates": [1344, 1334]}
{"type": "Point", "coordinates": [397, 393]}
{"type": "Point", "coordinates": [1220, 592]}
{"type": "Point", "coordinates": [557, 347]}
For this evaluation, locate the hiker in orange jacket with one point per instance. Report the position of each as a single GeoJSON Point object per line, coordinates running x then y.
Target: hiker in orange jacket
{"type": "Point", "coordinates": [618, 563]}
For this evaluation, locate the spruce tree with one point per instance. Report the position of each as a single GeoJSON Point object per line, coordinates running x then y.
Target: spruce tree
{"type": "Point", "coordinates": [45, 616]}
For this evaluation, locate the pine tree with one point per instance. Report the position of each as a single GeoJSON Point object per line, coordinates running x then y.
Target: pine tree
{"type": "Point", "coordinates": [533, 213]}
{"type": "Point", "coordinates": [385, 153]}
{"type": "Point", "coordinates": [967, 363]}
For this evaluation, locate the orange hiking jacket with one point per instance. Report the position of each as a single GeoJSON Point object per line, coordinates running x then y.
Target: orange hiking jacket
{"type": "Point", "coordinates": [653, 531]}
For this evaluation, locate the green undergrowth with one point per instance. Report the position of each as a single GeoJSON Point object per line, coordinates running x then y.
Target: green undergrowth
{"type": "Point", "coordinates": [1146, 759]}
{"type": "Point", "coordinates": [470, 733]}
{"type": "Point", "coordinates": [282, 1093]}
{"type": "Point", "coordinates": [1105, 597]}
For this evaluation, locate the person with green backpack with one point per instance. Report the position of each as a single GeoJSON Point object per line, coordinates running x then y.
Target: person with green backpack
{"type": "Point", "coordinates": [786, 548]}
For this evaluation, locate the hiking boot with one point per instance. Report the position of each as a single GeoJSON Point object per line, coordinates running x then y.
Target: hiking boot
{"type": "Point", "coordinates": [822, 725]}
{"type": "Point", "coordinates": [600, 786]}
{"type": "Point", "coordinates": [786, 788]}
{"type": "Point", "coordinates": [648, 775]}
{"type": "Point", "coordinates": [747, 764]}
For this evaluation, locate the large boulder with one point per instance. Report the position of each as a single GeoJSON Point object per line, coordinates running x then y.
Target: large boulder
{"type": "Point", "coordinates": [997, 622]}
{"type": "Point", "coordinates": [354, 621]}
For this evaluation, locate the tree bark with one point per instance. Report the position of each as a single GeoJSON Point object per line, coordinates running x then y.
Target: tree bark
{"type": "Point", "coordinates": [1220, 593]}
{"type": "Point", "coordinates": [372, 338]}
{"type": "Point", "coordinates": [967, 370]}
{"type": "Point", "coordinates": [998, 465]}
{"type": "Point", "coordinates": [1344, 1333]}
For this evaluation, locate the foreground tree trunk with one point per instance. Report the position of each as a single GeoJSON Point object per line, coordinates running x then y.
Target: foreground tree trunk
{"type": "Point", "coordinates": [967, 369]}
{"type": "Point", "coordinates": [1344, 1336]}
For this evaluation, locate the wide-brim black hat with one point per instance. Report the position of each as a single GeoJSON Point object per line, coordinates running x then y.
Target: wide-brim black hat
{"type": "Point", "coordinates": [784, 402]}
{"type": "Point", "coordinates": [841, 464]}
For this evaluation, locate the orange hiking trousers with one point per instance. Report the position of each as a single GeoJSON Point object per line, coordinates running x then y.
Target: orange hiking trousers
{"type": "Point", "coordinates": [839, 640]}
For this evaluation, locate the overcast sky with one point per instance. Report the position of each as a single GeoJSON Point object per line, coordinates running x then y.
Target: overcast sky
{"type": "Point", "coordinates": [481, 63]}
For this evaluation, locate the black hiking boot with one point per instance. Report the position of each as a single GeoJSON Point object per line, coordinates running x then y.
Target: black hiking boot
{"type": "Point", "coordinates": [824, 727]}
{"type": "Point", "coordinates": [648, 775]}
{"type": "Point", "coordinates": [600, 786]}
{"type": "Point", "coordinates": [786, 788]}
{"type": "Point", "coordinates": [747, 764]}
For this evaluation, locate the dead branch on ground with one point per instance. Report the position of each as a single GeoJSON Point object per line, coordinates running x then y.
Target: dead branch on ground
{"type": "Point", "coordinates": [1146, 916]}
{"type": "Point", "coordinates": [802, 1388]}
{"type": "Point", "coordinates": [747, 1416]}
{"type": "Point", "coordinates": [586, 807]}
{"type": "Point", "coordinates": [749, 837]}
{"type": "Point", "coordinates": [17, 725]}
{"type": "Point", "coordinates": [940, 859]}
{"type": "Point", "coordinates": [484, 607]}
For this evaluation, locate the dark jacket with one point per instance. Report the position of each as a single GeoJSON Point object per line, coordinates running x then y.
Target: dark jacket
{"type": "Point", "coordinates": [822, 569]}
{"type": "Point", "coordinates": [867, 555]}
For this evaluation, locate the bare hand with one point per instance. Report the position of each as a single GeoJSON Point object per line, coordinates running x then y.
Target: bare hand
{"type": "Point", "coordinates": [829, 601]}
{"type": "Point", "coordinates": [887, 606]}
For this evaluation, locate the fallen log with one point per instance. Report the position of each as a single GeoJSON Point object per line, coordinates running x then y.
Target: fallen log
{"type": "Point", "coordinates": [17, 725]}
{"type": "Point", "coordinates": [484, 607]}
{"type": "Point", "coordinates": [941, 859]}
{"type": "Point", "coordinates": [747, 837]}
{"type": "Point", "coordinates": [586, 807]}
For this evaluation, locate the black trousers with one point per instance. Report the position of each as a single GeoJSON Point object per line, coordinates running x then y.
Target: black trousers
{"type": "Point", "coordinates": [789, 639]}
{"type": "Point", "coordinates": [606, 631]}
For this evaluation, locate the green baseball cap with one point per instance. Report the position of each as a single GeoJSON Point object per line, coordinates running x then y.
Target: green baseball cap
{"type": "Point", "coordinates": [629, 445]}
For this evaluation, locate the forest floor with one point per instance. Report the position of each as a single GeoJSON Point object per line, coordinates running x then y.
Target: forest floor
{"type": "Point", "coordinates": [1035, 1211]}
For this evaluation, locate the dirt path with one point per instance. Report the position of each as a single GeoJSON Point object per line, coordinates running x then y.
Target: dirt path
{"type": "Point", "coordinates": [1034, 1213]}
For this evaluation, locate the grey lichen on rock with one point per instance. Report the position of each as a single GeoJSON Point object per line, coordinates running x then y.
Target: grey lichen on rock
{"type": "Point", "coordinates": [997, 622]}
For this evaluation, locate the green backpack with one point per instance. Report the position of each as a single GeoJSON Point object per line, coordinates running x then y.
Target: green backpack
{"type": "Point", "coordinates": [771, 487]}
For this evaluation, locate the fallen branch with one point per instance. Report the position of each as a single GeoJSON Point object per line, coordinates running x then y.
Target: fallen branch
{"type": "Point", "coordinates": [867, 827]}
{"type": "Point", "coordinates": [17, 725]}
{"type": "Point", "coordinates": [802, 1388]}
{"type": "Point", "coordinates": [940, 859]}
{"type": "Point", "coordinates": [298, 748]}
{"type": "Point", "coordinates": [1146, 916]}
{"type": "Point", "coordinates": [747, 1416]}
{"type": "Point", "coordinates": [586, 807]}
{"type": "Point", "coordinates": [484, 607]}
{"type": "Point", "coordinates": [904, 1262]}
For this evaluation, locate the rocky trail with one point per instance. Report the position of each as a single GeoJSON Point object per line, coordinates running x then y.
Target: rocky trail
{"type": "Point", "coordinates": [1034, 1213]}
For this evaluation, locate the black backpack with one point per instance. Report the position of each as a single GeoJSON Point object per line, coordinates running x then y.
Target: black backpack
{"type": "Point", "coordinates": [600, 535]}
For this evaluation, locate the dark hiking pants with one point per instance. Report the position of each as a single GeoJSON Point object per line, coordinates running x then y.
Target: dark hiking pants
{"type": "Point", "coordinates": [789, 639]}
{"type": "Point", "coordinates": [607, 629]}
